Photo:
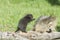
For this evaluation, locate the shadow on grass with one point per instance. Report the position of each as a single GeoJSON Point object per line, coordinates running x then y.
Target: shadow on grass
{"type": "Point", "coordinates": [19, 1]}
{"type": "Point", "coordinates": [58, 28]}
{"type": "Point", "coordinates": [54, 2]}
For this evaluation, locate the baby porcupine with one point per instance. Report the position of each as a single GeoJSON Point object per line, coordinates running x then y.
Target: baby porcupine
{"type": "Point", "coordinates": [22, 25]}
{"type": "Point", "coordinates": [45, 24]}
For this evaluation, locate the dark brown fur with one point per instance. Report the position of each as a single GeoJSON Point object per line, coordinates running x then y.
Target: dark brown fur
{"type": "Point", "coordinates": [22, 25]}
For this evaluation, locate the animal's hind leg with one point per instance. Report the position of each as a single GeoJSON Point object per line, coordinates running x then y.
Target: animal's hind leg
{"type": "Point", "coordinates": [17, 30]}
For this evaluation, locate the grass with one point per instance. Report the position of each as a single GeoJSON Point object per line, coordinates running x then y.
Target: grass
{"type": "Point", "coordinates": [11, 11]}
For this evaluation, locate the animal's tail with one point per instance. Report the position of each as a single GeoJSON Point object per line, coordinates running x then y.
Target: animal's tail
{"type": "Point", "coordinates": [17, 30]}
